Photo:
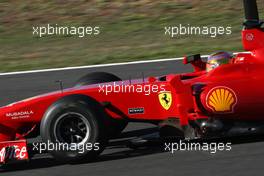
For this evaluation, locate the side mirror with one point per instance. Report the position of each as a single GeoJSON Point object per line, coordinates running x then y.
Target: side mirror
{"type": "Point", "coordinates": [196, 62]}
{"type": "Point", "coordinates": [192, 59]}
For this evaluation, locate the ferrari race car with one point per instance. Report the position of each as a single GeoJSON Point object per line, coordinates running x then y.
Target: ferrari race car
{"type": "Point", "coordinates": [226, 101]}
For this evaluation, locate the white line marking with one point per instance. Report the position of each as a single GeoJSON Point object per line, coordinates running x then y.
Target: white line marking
{"type": "Point", "coordinates": [94, 66]}
{"type": "Point", "coordinates": [89, 66]}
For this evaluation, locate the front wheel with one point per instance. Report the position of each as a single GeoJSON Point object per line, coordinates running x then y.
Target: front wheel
{"type": "Point", "coordinates": [73, 131]}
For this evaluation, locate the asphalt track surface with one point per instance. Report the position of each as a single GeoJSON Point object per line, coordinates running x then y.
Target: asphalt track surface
{"type": "Point", "coordinates": [245, 158]}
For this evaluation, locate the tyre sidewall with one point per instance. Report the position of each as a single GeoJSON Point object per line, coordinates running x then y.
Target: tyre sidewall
{"type": "Point", "coordinates": [96, 130]}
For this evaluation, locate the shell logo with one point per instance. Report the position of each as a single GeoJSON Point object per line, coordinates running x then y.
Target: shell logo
{"type": "Point", "coordinates": [221, 100]}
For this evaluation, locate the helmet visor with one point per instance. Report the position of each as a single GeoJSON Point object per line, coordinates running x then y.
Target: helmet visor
{"type": "Point", "coordinates": [214, 63]}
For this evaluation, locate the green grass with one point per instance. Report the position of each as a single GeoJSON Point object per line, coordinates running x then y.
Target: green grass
{"type": "Point", "coordinates": [132, 30]}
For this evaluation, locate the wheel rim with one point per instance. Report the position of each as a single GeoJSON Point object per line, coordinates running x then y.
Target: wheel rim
{"type": "Point", "coordinates": [72, 128]}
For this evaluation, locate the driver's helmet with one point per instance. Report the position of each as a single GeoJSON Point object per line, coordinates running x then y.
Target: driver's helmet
{"type": "Point", "coordinates": [217, 59]}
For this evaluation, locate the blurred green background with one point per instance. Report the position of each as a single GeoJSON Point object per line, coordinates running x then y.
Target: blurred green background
{"type": "Point", "coordinates": [130, 30]}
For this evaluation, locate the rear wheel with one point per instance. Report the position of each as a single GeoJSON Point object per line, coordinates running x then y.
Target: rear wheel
{"type": "Point", "coordinates": [117, 126]}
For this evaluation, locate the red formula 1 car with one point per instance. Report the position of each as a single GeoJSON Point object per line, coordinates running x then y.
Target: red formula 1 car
{"type": "Point", "coordinates": [225, 101]}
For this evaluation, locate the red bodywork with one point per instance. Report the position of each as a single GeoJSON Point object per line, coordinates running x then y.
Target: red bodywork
{"type": "Point", "coordinates": [233, 91]}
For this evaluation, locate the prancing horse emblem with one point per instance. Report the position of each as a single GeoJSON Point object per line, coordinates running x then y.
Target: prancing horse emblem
{"type": "Point", "coordinates": [165, 99]}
